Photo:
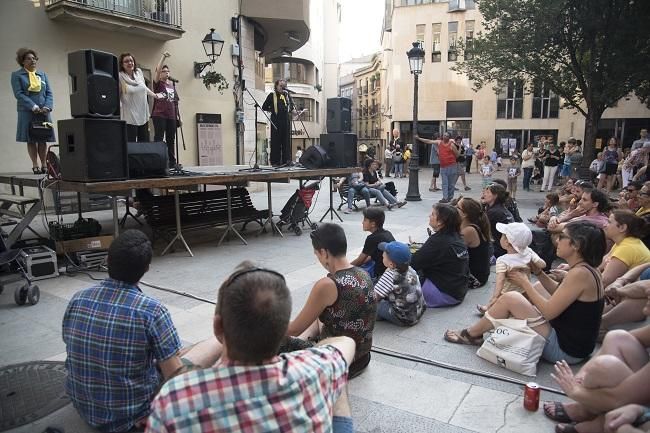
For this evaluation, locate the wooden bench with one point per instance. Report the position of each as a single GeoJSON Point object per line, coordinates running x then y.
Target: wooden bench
{"type": "Point", "coordinates": [21, 219]}
{"type": "Point", "coordinates": [201, 210]}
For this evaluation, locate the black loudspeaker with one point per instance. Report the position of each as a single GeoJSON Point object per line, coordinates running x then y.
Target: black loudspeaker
{"type": "Point", "coordinates": [147, 160]}
{"type": "Point", "coordinates": [339, 114]}
{"type": "Point", "coordinates": [341, 149]}
{"type": "Point", "coordinates": [314, 157]}
{"type": "Point", "coordinates": [93, 149]}
{"type": "Point", "coordinates": [94, 84]}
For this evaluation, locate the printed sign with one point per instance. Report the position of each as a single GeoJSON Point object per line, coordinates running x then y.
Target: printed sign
{"type": "Point", "coordinates": [209, 138]}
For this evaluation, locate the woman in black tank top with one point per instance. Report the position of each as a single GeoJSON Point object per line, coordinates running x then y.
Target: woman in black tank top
{"type": "Point", "coordinates": [475, 229]}
{"type": "Point", "coordinates": [569, 311]}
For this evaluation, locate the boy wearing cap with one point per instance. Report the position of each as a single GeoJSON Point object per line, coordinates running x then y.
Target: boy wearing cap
{"type": "Point", "coordinates": [515, 240]}
{"type": "Point", "coordinates": [398, 291]}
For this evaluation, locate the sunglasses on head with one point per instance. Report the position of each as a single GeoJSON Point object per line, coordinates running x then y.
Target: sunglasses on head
{"type": "Point", "coordinates": [241, 272]}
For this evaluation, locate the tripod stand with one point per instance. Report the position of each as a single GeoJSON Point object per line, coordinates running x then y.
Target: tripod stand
{"type": "Point", "coordinates": [256, 167]}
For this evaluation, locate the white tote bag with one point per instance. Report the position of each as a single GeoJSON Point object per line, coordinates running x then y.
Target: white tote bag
{"type": "Point", "coordinates": [513, 345]}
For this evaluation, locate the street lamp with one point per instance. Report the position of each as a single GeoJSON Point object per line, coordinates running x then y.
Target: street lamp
{"type": "Point", "coordinates": [416, 58]}
{"type": "Point", "coordinates": [212, 44]}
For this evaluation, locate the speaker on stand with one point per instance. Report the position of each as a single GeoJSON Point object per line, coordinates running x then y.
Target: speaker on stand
{"type": "Point", "coordinates": [94, 84]}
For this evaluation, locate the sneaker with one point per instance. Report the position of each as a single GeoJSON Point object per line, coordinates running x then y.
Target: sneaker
{"type": "Point", "coordinates": [432, 189]}
{"type": "Point", "coordinates": [467, 188]}
{"type": "Point", "coordinates": [401, 203]}
{"type": "Point", "coordinates": [443, 201]}
{"type": "Point", "coordinates": [390, 206]}
{"type": "Point", "coordinates": [347, 211]}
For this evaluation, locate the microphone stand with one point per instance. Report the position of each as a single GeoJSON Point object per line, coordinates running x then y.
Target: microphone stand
{"type": "Point", "coordinates": [178, 167]}
{"type": "Point", "coordinates": [256, 167]}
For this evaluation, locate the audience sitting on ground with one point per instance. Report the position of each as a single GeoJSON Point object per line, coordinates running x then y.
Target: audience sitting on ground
{"type": "Point", "coordinates": [626, 298]}
{"type": "Point", "coordinates": [494, 198]}
{"type": "Point", "coordinates": [626, 419]}
{"type": "Point", "coordinates": [121, 344]}
{"type": "Point", "coordinates": [475, 230]}
{"type": "Point", "coordinates": [251, 388]}
{"type": "Point", "coordinates": [629, 196]}
{"type": "Point", "coordinates": [371, 258]}
{"type": "Point", "coordinates": [566, 314]}
{"type": "Point", "coordinates": [442, 261]}
{"type": "Point", "coordinates": [624, 229]}
{"type": "Point", "coordinates": [398, 291]}
{"type": "Point", "coordinates": [616, 376]}
{"type": "Point", "coordinates": [644, 209]}
{"type": "Point", "coordinates": [356, 186]}
{"type": "Point", "coordinates": [341, 303]}
{"type": "Point", "coordinates": [571, 208]}
{"type": "Point", "coordinates": [515, 239]}
{"type": "Point", "coordinates": [372, 181]}
{"type": "Point", "coordinates": [510, 203]}
{"type": "Point", "coordinates": [549, 210]}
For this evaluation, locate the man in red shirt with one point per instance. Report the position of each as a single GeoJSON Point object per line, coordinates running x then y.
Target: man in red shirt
{"type": "Point", "coordinates": [448, 152]}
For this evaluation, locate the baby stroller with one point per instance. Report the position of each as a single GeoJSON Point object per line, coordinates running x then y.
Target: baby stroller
{"type": "Point", "coordinates": [296, 210]}
{"type": "Point", "coordinates": [28, 292]}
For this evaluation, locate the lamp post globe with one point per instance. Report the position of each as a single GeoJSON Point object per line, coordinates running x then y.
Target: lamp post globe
{"type": "Point", "coordinates": [416, 59]}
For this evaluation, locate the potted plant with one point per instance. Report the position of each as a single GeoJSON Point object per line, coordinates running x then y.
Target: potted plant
{"type": "Point", "coordinates": [212, 78]}
{"type": "Point", "coordinates": [318, 87]}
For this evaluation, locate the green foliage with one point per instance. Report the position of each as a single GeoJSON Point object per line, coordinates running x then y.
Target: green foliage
{"type": "Point", "coordinates": [212, 78]}
{"type": "Point", "coordinates": [589, 52]}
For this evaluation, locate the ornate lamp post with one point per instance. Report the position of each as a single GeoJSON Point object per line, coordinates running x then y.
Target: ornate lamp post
{"type": "Point", "coordinates": [212, 44]}
{"type": "Point", "coordinates": [416, 58]}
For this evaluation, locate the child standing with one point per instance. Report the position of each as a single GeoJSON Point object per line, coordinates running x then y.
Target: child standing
{"type": "Point", "coordinates": [398, 291]}
{"type": "Point", "coordinates": [513, 174]}
{"type": "Point", "coordinates": [486, 171]}
{"type": "Point", "coordinates": [515, 240]}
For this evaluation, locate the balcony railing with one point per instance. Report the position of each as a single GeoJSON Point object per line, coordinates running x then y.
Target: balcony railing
{"type": "Point", "coordinates": [165, 12]}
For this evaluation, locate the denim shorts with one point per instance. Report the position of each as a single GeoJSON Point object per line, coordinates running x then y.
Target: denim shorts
{"type": "Point", "coordinates": [342, 424]}
{"type": "Point", "coordinates": [554, 353]}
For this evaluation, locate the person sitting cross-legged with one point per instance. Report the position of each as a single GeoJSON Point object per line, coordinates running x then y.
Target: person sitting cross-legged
{"type": "Point", "coordinates": [340, 303]}
{"type": "Point", "coordinates": [251, 388]}
{"type": "Point", "coordinates": [121, 344]}
{"type": "Point", "coordinates": [398, 290]}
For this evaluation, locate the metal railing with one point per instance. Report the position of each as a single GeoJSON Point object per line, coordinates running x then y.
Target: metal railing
{"type": "Point", "coordinates": [167, 12]}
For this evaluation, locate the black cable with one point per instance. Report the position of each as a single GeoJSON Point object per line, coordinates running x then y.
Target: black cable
{"type": "Point", "coordinates": [467, 370]}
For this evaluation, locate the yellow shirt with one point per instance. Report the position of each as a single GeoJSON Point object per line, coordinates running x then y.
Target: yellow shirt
{"type": "Point", "coordinates": [631, 251]}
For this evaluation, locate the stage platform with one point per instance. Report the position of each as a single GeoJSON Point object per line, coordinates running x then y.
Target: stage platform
{"type": "Point", "coordinates": [228, 176]}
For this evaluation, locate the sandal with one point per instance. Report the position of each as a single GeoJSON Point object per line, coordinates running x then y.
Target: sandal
{"type": "Point", "coordinates": [558, 414]}
{"type": "Point", "coordinates": [482, 309]}
{"type": "Point", "coordinates": [43, 170]}
{"type": "Point", "coordinates": [36, 170]}
{"type": "Point", "coordinates": [462, 338]}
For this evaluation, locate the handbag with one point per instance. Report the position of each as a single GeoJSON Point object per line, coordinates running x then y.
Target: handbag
{"type": "Point", "coordinates": [40, 129]}
{"type": "Point", "coordinates": [513, 345]}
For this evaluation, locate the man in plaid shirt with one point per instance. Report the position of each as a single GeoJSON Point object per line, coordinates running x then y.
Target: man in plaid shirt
{"type": "Point", "coordinates": [251, 389]}
{"type": "Point", "coordinates": [121, 344]}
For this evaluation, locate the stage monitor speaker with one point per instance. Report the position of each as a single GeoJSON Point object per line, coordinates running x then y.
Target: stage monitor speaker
{"type": "Point", "coordinates": [314, 157]}
{"type": "Point", "coordinates": [147, 160]}
{"type": "Point", "coordinates": [339, 114]}
{"type": "Point", "coordinates": [341, 149]}
{"type": "Point", "coordinates": [93, 149]}
{"type": "Point", "coordinates": [94, 84]}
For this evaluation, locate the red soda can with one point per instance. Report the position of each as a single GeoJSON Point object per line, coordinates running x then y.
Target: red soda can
{"type": "Point", "coordinates": [531, 396]}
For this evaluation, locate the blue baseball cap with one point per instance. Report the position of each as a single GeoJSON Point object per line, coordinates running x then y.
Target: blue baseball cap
{"type": "Point", "coordinates": [398, 252]}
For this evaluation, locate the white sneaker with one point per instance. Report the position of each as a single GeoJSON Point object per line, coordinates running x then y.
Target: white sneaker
{"type": "Point", "coordinates": [347, 211]}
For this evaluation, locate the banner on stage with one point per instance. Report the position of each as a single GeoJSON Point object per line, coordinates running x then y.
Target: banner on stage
{"type": "Point", "coordinates": [209, 138]}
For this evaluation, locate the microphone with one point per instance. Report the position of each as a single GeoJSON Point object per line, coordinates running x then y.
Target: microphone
{"type": "Point", "coordinates": [173, 80]}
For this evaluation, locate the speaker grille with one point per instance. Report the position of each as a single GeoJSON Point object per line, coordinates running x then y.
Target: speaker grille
{"type": "Point", "coordinates": [105, 95]}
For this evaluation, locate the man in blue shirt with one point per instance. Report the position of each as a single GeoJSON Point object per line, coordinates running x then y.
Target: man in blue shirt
{"type": "Point", "coordinates": [121, 344]}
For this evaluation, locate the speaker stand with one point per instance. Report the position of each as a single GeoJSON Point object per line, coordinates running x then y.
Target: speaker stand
{"type": "Point", "coordinates": [331, 211]}
{"type": "Point", "coordinates": [128, 213]}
